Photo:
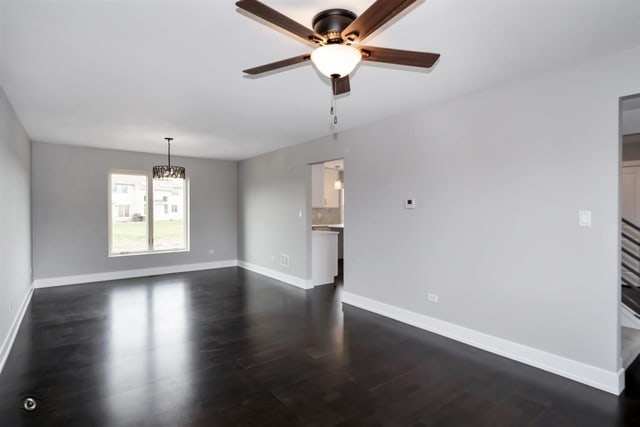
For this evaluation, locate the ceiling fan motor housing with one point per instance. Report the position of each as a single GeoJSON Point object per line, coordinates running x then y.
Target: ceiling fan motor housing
{"type": "Point", "coordinates": [330, 23]}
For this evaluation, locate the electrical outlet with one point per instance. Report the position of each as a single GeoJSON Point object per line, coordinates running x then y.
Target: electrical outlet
{"type": "Point", "coordinates": [212, 251]}
{"type": "Point", "coordinates": [432, 298]}
{"type": "Point", "coordinates": [284, 260]}
{"type": "Point", "coordinates": [273, 258]}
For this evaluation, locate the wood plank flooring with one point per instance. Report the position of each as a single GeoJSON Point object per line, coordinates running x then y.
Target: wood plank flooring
{"type": "Point", "coordinates": [229, 347]}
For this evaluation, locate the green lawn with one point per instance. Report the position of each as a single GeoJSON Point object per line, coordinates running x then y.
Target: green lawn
{"type": "Point", "coordinates": [131, 236]}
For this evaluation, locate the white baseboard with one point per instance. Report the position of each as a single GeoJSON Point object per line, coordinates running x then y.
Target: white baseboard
{"type": "Point", "coordinates": [13, 331]}
{"type": "Point", "coordinates": [129, 274]}
{"type": "Point", "coordinates": [612, 382]}
{"type": "Point", "coordinates": [286, 278]}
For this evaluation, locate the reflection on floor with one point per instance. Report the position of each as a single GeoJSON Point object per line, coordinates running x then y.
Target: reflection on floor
{"type": "Point", "coordinates": [231, 347]}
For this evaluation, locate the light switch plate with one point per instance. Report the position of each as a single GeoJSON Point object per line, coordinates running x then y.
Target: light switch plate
{"type": "Point", "coordinates": [410, 203]}
{"type": "Point", "coordinates": [584, 218]}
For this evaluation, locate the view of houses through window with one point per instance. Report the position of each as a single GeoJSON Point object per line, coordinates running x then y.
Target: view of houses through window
{"type": "Point", "coordinates": [133, 224]}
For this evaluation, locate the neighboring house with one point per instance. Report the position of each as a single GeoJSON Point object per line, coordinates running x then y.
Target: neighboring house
{"type": "Point", "coordinates": [167, 204]}
{"type": "Point", "coordinates": [127, 202]}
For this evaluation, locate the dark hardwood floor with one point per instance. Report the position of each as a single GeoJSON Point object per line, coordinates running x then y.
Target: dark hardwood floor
{"type": "Point", "coordinates": [230, 347]}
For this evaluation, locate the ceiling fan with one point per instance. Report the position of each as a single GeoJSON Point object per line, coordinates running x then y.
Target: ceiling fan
{"type": "Point", "coordinates": [337, 36]}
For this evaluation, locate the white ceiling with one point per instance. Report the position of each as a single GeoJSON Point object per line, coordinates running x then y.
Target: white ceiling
{"type": "Point", "coordinates": [124, 74]}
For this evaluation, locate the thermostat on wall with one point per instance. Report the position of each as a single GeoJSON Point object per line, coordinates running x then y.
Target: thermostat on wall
{"type": "Point", "coordinates": [410, 203]}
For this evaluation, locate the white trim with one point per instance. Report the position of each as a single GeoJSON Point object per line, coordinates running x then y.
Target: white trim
{"type": "Point", "coordinates": [166, 251]}
{"type": "Point", "coordinates": [612, 382]}
{"type": "Point", "coordinates": [13, 331]}
{"type": "Point", "coordinates": [286, 278]}
{"type": "Point", "coordinates": [128, 274]}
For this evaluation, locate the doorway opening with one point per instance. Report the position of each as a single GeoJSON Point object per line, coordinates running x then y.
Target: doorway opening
{"type": "Point", "coordinates": [327, 222]}
{"type": "Point", "coordinates": [630, 230]}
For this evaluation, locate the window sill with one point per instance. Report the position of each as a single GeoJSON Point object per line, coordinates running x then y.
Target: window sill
{"type": "Point", "coordinates": [168, 251]}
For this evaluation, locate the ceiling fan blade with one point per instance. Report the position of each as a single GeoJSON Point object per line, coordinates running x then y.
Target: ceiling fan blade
{"type": "Point", "coordinates": [400, 57]}
{"type": "Point", "coordinates": [378, 14]}
{"type": "Point", "coordinates": [340, 85]}
{"type": "Point", "coordinates": [278, 64]}
{"type": "Point", "coordinates": [263, 11]}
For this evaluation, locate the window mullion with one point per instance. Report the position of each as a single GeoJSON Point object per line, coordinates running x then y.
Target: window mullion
{"type": "Point", "coordinates": [150, 207]}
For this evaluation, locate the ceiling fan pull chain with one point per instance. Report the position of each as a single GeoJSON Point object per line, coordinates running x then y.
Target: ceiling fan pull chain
{"type": "Point", "coordinates": [333, 101]}
{"type": "Point", "coordinates": [334, 109]}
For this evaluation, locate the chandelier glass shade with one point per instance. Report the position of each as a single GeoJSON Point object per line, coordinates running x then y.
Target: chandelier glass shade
{"type": "Point", "coordinates": [165, 172]}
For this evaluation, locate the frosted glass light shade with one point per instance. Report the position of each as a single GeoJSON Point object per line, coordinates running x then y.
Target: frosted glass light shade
{"type": "Point", "coordinates": [336, 59]}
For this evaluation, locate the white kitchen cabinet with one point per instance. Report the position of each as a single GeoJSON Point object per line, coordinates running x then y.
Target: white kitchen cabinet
{"type": "Point", "coordinates": [323, 193]}
{"type": "Point", "coordinates": [324, 257]}
{"type": "Point", "coordinates": [331, 195]}
{"type": "Point", "coordinates": [317, 186]}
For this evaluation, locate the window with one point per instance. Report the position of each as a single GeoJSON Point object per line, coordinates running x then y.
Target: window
{"type": "Point", "coordinates": [120, 188]}
{"type": "Point", "coordinates": [123, 211]}
{"type": "Point", "coordinates": [135, 227]}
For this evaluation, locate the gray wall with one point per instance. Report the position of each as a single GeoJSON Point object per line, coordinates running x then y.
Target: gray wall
{"type": "Point", "coordinates": [15, 215]}
{"type": "Point", "coordinates": [70, 210]}
{"type": "Point", "coordinates": [273, 188]}
{"type": "Point", "coordinates": [495, 231]}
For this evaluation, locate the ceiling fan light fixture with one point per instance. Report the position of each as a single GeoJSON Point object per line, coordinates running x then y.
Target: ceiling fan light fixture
{"type": "Point", "coordinates": [336, 59]}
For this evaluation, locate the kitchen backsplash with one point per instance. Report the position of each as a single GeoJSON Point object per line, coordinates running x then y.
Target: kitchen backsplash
{"type": "Point", "coordinates": [321, 216]}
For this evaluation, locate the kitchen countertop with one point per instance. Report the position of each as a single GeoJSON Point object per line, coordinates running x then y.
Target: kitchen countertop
{"type": "Point", "coordinates": [329, 225]}
{"type": "Point", "coordinates": [324, 232]}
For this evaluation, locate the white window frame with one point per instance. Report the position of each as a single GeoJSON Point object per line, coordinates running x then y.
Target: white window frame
{"type": "Point", "coordinates": [149, 214]}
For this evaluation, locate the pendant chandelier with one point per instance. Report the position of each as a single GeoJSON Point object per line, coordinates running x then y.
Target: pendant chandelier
{"type": "Point", "coordinates": [167, 171]}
